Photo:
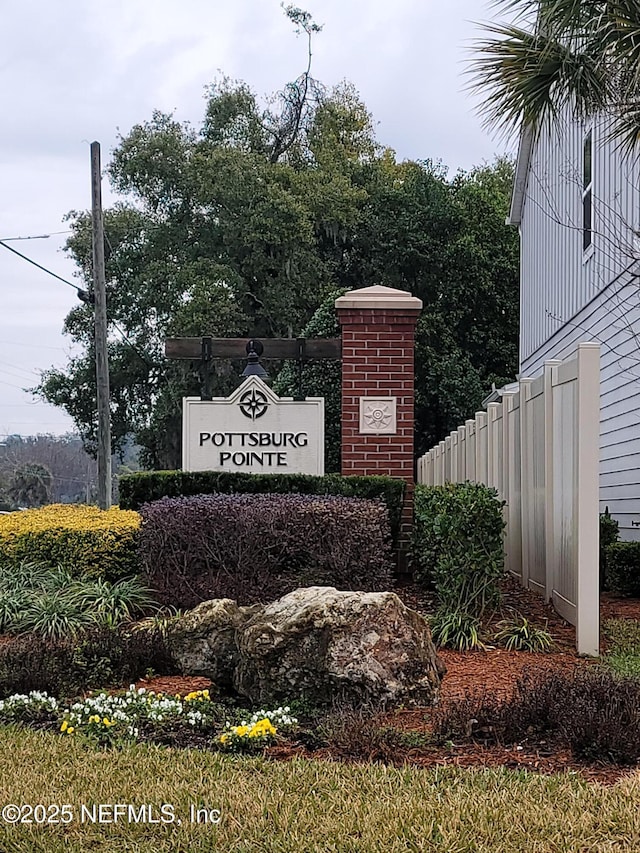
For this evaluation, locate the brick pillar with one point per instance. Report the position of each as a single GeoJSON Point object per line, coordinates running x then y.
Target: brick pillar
{"type": "Point", "coordinates": [378, 333]}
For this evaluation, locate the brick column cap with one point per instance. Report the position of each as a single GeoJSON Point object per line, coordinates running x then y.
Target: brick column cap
{"type": "Point", "coordinates": [379, 297]}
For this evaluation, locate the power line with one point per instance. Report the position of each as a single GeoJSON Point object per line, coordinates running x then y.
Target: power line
{"type": "Point", "coordinates": [78, 290]}
{"type": "Point", "coordinates": [35, 236]}
{"type": "Point", "coordinates": [82, 294]}
{"type": "Point", "coordinates": [30, 345]}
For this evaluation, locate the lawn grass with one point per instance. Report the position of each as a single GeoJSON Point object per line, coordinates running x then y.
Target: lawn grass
{"type": "Point", "coordinates": [623, 640]}
{"type": "Point", "coordinates": [303, 806]}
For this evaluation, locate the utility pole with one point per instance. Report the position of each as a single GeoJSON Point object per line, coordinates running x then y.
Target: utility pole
{"type": "Point", "coordinates": [100, 307]}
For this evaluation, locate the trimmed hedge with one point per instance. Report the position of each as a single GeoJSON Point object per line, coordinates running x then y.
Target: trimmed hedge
{"type": "Point", "coordinates": [96, 658]}
{"type": "Point", "coordinates": [623, 568]}
{"type": "Point", "coordinates": [83, 539]}
{"type": "Point", "coordinates": [458, 544]}
{"type": "Point", "coordinates": [144, 487]}
{"type": "Point", "coordinates": [256, 548]}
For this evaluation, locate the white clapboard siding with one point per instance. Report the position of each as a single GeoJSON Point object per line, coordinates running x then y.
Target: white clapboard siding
{"type": "Point", "coordinates": [568, 296]}
{"type": "Point", "coordinates": [615, 329]}
{"type": "Point", "coordinates": [557, 278]}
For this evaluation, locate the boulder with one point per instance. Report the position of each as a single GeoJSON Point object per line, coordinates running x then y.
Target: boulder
{"type": "Point", "coordinates": [203, 641]}
{"type": "Point", "coordinates": [321, 645]}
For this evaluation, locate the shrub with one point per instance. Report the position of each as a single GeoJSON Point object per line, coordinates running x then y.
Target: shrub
{"type": "Point", "coordinates": [82, 539]}
{"type": "Point", "coordinates": [145, 487]}
{"type": "Point", "coordinates": [623, 568]}
{"type": "Point", "coordinates": [457, 544]}
{"type": "Point", "coordinates": [259, 547]}
{"type": "Point", "coordinates": [95, 658]}
{"type": "Point", "coordinates": [609, 532]}
{"type": "Point", "coordinates": [592, 711]}
{"type": "Point", "coordinates": [360, 734]}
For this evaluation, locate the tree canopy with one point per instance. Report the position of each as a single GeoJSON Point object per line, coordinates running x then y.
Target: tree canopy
{"type": "Point", "coordinates": [553, 54]}
{"type": "Point", "coordinates": [247, 224]}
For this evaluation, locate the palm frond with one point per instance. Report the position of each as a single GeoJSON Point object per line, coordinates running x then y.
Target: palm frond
{"type": "Point", "coordinates": [557, 54]}
{"type": "Point", "coordinates": [525, 77]}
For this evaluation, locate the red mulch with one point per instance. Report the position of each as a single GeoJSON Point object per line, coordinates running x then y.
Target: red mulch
{"type": "Point", "coordinates": [492, 671]}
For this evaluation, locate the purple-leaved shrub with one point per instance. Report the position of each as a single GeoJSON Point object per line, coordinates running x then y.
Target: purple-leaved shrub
{"type": "Point", "coordinates": [255, 548]}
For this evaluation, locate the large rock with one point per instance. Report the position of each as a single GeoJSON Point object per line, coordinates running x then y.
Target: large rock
{"type": "Point", "coordinates": [203, 641]}
{"type": "Point", "coordinates": [321, 645]}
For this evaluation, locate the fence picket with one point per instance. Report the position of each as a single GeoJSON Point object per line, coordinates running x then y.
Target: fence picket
{"type": "Point", "coordinates": [539, 448]}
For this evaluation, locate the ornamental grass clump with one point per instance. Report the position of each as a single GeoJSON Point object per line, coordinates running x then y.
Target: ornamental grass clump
{"type": "Point", "coordinates": [517, 633]}
{"type": "Point", "coordinates": [83, 539]}
{"type": "Point", "coordinates": [54, 604]}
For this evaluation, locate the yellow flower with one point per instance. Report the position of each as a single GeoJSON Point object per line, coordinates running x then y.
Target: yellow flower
{"type": "Point", "coordinates": [106, 721]}
{"type": "Point", "coordinates": [241, 731]}
{"type": "Point", "coordinates": [205, 693]}
{"type": "Point", "coordinates": [224, 738]}
{"type": "Point", "coordinates": [64, 726]}
{"type": "Point", "coordinates": [70, 730]}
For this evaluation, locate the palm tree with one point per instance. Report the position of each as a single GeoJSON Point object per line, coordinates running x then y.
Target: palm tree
{"type": "Point", "coordinates": [554, 54]}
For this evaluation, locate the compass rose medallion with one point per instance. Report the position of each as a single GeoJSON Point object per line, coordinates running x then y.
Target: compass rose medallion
{"type": "Point", "coordinates": [253, 404]}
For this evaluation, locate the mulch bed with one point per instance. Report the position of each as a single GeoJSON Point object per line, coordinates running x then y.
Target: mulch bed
{"type": "Point", "coordinates": [494, 671]}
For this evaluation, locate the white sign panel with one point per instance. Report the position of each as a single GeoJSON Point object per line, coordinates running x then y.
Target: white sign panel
{"type": "Point", "coordinates": [254, 431]}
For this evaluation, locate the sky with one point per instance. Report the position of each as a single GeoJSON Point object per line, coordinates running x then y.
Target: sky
{"type": "Point", "coordinates": [75, 72]}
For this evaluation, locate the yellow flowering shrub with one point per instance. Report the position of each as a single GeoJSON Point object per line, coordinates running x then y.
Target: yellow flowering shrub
{"type": "Point", "coordinates": [84, 539]}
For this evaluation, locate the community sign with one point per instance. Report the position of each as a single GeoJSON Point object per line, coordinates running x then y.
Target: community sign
{"type": "Point", "coordinates": [254, 431]}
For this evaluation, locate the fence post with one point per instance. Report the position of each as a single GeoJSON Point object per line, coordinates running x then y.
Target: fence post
{"type": "Point", "coordinates": [462, 454]}
{"type": "Point", "coordinates": [526, 479]}
{"type": "Point", "coordinates": [550, 568]}
{"type": "Point", "coordinates": [470, 453]}
{"type": "Point", "coordinates": [441, 477]}
{"type": "Point", "coordinates": [494, 470]}
{"type": "Point", "coordinates": [481, 447]}
{"type": "Point", "coordinates": [586, 499]}
{"type": "Point", "coordinates": [454, 456]}
{"type": "Point", "coordinates": [447, 459]}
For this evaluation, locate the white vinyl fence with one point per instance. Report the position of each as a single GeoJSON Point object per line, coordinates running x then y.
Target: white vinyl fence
{"type": "Point", "coordinates": [539, 448]}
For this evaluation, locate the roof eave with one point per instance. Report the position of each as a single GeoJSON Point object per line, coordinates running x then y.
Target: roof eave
{"type": "Point", "coordinates": [525, 149]}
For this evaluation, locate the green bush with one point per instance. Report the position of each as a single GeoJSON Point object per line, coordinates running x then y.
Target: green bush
{"type": "Point", "coordinates": [457, 545]}
{"type": "Point", "coordinates": [144, 487]}
{"type": "Point", "coordinates": [609, 533]}
{"type": "Point", "coordinates": [623, 568]}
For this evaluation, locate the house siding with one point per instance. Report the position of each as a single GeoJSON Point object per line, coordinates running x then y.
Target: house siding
{"type": "Point", "coordinates": [568, 296]}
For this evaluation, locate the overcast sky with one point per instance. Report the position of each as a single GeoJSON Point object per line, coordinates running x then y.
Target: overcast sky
{"type": "Point", "coordinates": [72, 72]}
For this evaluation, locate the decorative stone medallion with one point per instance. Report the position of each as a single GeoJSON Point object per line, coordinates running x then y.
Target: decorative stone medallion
{"type": "Point", "coordinates": [378, 415]}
